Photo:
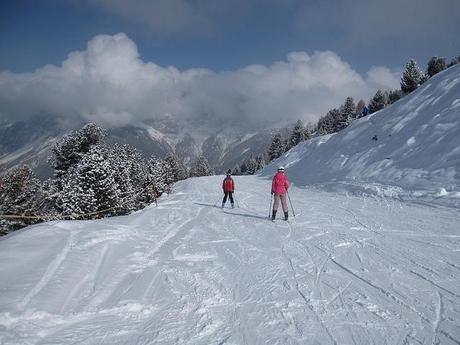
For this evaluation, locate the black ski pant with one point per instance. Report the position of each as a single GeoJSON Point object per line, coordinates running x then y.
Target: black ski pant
{"type": "Point", "coordinates": [228, 194]}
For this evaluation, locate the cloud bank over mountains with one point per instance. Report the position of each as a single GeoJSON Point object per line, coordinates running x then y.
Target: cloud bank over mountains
{"type": "Point", "coordinates": [110, 84]}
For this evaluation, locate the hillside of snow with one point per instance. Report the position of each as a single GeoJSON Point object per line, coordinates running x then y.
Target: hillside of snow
{"type": "Point", "coordinates": [416, 146]}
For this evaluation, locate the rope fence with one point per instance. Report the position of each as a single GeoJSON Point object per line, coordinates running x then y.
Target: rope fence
{"type": "Point", "coordinates": [74, 216]}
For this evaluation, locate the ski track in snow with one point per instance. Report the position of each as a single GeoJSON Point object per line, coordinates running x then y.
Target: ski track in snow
{"type": "Point", "coordinates": [346, 270]}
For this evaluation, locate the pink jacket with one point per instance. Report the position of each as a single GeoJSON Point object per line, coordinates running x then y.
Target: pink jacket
{"type": "Point", "coordinates": [280, 183]}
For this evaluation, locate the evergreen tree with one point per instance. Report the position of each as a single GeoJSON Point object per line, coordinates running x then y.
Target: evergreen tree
{"type": "Point", "coordinates": [251, 165]}
{"type": "Point", "coordinates": [260, 162]}
{"type": "Point", "coordinates": [347, 114]}
{"type": "Point", "coordinates": [158, 176]}
{"type": "Point", "coordinates": [436, 65]}
{"type": "Point", "coordinates": [72, 147]}
{"type": "Point", "coordinates": [377, 102]}
{"type": "Point", "coordinates": [454, 61]}
{"type": "Point", "coordinates": [327, 124]}
{"type": "Point", "coordinates": [299, 134]}
{"type": "Point", "coordinates": [121, 163]}
{"type": "Point", "coordinates": [201, 168]}
{"type": "Point", "coordinates": [277, 147]}
{"type": "Point", "coordinates": [22, 194]}
{"type": "Point", "coordinates": [411, 78]}
{"type": "Point", "coordinates": [177, 169]}
{"type": "Point", "coordinates": [90, 186]}
{"type": "Point", "coordinates": [394, 95]}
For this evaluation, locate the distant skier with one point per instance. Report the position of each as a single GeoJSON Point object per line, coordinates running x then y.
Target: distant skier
{"type": "Point", "coordinates": [365, 111]}
{"type": "Point", "coordinates": [280, 186]}
{"type": "Point", "coordinates": [228, 187]}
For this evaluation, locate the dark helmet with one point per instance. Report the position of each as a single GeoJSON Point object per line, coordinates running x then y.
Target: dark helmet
{"type": "Point", "coordinates": [229, 172]}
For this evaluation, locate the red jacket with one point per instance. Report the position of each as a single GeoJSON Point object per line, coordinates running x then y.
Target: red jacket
{"type": "Point", "coordinates": [280, 183]}
{"type": "Point", "coordinates": [228, 185]}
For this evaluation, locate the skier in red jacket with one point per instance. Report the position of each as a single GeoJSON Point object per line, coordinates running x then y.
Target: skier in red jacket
{"type": "Point", "coordinates": [280, 186]}
{"type": "Point", "coordinates": [229, 187]}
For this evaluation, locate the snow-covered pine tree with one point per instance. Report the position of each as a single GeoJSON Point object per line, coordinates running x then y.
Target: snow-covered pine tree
{"type": "Point", "coordinates": [121, 163]}
{"type": "Point", "coordinates": [411, 78]}
{"type": "Point", "coordinates": [277, 147]}
{"type": "Point", "coordinates": [347, 114]}
{"type": "Point", "coordinates": [157, 177]}
{"type": "Point", "coordinates": [377, 102]}
{"type": "Point", "coordinates": [254, 164]}
{"type": "Point", "coordinates": [90, 186]}
{"type": "Point", "coordinates": [138, 174]}
{"type": "Point", "coordinates": [436, 65]}
{"type": "Point", "coordinates": [201, 167]}
{"type": "Point", "coordinates": [22, 194]}
{"type": "Point", "coordinates": [327, 124]}
{"type": "Point", "coordinates": [178, 170]}
{"type": "Point", "coordinates": [454, 61]}
{"type": "Point", "coordinates": [72, 147]}
{"type": "Point", "coordinates": [299, 133]}
{"type": "Point", "coordinates": [261, 161]}
{"type": "Point", "coordinates": [394, 95]}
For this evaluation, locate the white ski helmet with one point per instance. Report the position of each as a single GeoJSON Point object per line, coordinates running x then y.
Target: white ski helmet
{"type": "Point", "coordinates": [281, 168]}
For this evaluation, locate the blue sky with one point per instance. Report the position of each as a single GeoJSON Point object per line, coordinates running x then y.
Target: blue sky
{"type": "Point", "coordinates": [226, 35]}
{"type": "Point", "coordinates": [247, 63]}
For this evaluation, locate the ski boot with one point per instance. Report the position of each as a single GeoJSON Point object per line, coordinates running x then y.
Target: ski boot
{"type": "Point", "coordinates": [286, 215]}
{"type": "Point", "coordinates": [223, 205]}
{"type": "Point", "coordinates": [273, 215]}
{"type": "Point", "coordinates": [233, 206]}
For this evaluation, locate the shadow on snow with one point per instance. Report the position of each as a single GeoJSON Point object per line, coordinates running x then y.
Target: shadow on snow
{"type": "Point", "coordinates": [247, 215]}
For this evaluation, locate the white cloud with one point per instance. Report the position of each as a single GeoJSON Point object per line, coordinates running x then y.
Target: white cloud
{"type": "Point", "coordinates": [382, 78]}
{"type": "Point", "coordinates": [110, 84]}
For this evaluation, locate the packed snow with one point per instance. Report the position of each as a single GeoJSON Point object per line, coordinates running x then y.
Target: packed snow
{"type": "Point", "coordinates": [345, 270]}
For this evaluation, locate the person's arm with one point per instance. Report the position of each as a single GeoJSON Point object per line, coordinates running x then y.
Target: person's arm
{"type": "Point", "coordinates": [273, 186]}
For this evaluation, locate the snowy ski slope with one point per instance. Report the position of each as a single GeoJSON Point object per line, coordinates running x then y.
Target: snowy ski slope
{"type": "Point", "coordinates": [416, 154]}
{"type": "Point", "coordinates": [346, 270]}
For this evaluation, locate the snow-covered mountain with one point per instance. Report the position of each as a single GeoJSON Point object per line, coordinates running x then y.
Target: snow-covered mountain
{"type": "Point", "coordinates": [31, 143]}
{"type": "Point", "coordinates": [347, 269]}
{"type": "Point", "coordinates": [410, 148]}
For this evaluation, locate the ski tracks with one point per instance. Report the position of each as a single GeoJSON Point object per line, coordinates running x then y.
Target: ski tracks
{"type": "Point", "coordinates": [50, 271]}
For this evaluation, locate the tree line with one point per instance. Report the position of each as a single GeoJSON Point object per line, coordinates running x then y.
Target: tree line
{"type": "Point", "coordinates": [337, 119]}
{"type": "Point", "coordinates": [91, 179]}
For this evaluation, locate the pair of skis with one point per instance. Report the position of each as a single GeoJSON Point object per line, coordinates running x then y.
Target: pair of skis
{"type": "Point", "coordinates": [270, 209]}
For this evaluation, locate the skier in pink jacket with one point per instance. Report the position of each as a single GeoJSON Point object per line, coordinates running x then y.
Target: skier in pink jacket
{"type": "Point", "coordinates": [280, 186]}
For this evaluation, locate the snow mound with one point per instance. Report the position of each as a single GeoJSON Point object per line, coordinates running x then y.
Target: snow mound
{"type": "Point", "coordinates": [413, 144]}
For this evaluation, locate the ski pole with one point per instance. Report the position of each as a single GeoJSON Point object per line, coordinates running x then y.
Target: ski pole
{"type": "Point", "coordinates": [236, 201]}
{"type": "Point", "coordinates": [270, 208]}
{"type": "Point", "coordinates": [293, 213]}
